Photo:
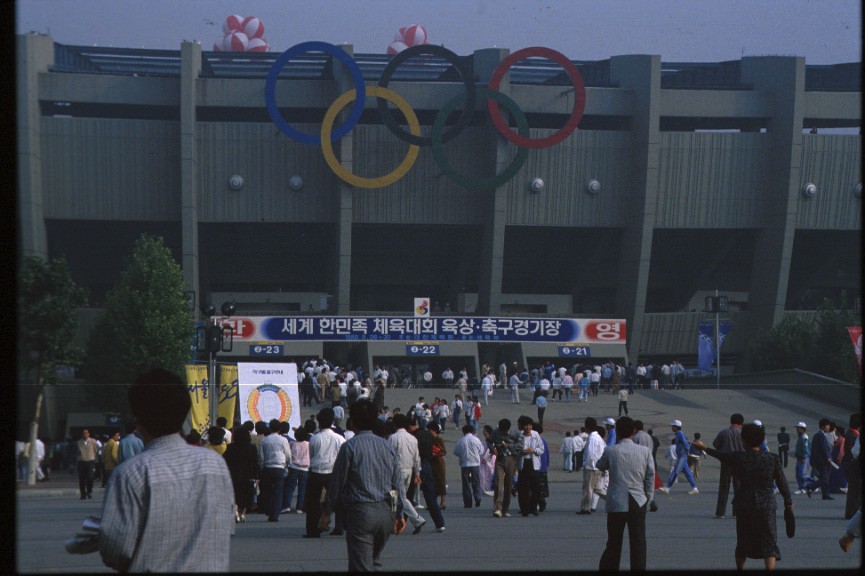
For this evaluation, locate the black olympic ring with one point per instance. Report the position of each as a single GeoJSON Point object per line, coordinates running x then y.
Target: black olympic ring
{"type": "Point", "coordinates": [468, 109]}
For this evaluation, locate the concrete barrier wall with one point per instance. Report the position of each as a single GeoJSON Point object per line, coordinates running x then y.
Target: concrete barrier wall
{"type": "Point", "coordinates": [837, 392]}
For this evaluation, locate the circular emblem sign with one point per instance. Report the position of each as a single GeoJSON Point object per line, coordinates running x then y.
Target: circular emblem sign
{"type": "Point", "coordinates": [267, 402]}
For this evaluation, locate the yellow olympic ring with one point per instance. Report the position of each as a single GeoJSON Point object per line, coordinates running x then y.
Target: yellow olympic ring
{"type": "Point", "coordinates": [327, 146]}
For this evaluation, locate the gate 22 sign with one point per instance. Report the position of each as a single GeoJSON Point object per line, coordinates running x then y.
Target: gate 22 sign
{"type": "Point", "coordinates": [439, 135]}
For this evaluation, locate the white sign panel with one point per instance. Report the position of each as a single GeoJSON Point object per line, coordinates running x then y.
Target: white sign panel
{"type": "Point", "coordinates": [267, 391]}
{"type": "Point", "coordinates": [421, 307]}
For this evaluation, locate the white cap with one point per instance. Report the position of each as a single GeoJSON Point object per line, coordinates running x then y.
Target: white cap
{"type": "Point", "coordinates": [758, 423]}
{"type": "Point", "coordinates": [801, 425]}
{"type": "Point", "coordinates": [676, 423]}
{"type": "Point", "coordinates": [610, 422]}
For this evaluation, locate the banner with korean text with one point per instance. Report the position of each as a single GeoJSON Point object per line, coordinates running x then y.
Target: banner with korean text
{"type": "Point", "coordinates": [267, 391]}
{"type": "Point", "coordinates": [435, 328]}
{"type": "Point", "coordinates": [196, 381]}
{"type": "Point", "coordinates": [228, 392]}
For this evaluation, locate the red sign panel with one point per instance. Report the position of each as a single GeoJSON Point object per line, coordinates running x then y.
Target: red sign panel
{"type": "Point", "coordinates": [241, 328]}
{"type": "Point", "coordinates": [604, 331]}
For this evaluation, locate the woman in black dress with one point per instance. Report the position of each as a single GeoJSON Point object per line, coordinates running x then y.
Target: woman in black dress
{"type": "Point", "coordinates": [242, 460]}
{"type": "Point", "coordinates": [754, 501]}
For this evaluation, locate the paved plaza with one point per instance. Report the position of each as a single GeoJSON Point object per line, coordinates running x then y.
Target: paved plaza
{"type": "Point", "coordinates": [682, 535]}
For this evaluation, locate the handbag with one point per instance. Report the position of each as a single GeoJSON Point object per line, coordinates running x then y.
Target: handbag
{"type": "Point", "coordinates": [790, 522]}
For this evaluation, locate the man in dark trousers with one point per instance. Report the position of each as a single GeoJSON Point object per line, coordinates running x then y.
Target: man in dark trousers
{"type": "Point", "coordinates": [728, 440]}
{"type": "Point", "coordinates": [821, 460]}
{"type": "Point", "coordinates": [366, 485]}
{"type": "Point", "coordinates": [427, 482]}
{"type": "Point", "coordinates": [632, 486]}
{"type": "Point", "coordinates": [323, 449]}
{"type": "Point", "coordinates": [783, 445]}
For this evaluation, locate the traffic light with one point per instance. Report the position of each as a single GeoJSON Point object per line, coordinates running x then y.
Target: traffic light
{"type": "Point", "coordinates": [213, 338]}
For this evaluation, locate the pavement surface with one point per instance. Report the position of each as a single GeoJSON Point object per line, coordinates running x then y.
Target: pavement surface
{"type": "Point", "coordinates": [682, 535]}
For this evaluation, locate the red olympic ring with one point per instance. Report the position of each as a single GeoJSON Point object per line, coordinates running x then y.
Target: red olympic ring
{"type": "Point", "coordinates": [579, 97]}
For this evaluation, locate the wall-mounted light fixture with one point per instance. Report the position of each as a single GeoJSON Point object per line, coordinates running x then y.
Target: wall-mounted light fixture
{"type": "Point", "coordinates": [235, 182]}
{"type": "Point", "coordinates": [295, 182]}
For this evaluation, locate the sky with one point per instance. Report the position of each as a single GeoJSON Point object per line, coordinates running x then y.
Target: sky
{"type": "Point", "coordinates": [822, 31]}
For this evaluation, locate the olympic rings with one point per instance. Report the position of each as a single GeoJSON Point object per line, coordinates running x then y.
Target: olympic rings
{"type": "Point", "coordinates": [438, 135]}
{"type": "Point", "coordinates": [273, 76]}
{"type": "Point", "coordinates": [327, 148]}
{"type": "Point", "coordinates": [468, 110]}
{"type": "Point", "coordinates": [466, 181]}
{"type": "Point", "coordinates": [579, 97]}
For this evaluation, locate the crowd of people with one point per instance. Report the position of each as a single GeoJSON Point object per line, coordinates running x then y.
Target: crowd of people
{"type": "Point", "coordinates": [274, 469]}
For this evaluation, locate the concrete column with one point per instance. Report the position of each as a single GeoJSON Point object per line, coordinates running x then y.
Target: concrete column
{"type": "Point", "coordinates": [34, 54]}
{"type": "Point", "coordinates": [344, 149]}
{"type": "Point", "coordinates": [190, 68]}
{"type": "Point", "coordinates": [493, 239]}
{"type": "Point", "coordinates": [642, 76]}
{"type": "Point", "coordinates": [783, 79]}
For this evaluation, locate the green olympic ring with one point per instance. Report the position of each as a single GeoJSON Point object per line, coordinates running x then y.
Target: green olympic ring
{"type": "Point", "coordinates": [468, 181]}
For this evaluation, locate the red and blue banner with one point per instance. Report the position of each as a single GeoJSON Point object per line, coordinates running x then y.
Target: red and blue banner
{"type": "Point", "coordinates": [437, 328]}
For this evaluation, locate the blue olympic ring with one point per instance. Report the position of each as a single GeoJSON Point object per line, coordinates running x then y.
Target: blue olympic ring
{"type": "Point", "coordinates": [273, 76]}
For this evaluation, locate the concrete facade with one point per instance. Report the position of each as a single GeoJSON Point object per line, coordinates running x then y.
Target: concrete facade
{"type": "Point", "coordinates": [689, 158]}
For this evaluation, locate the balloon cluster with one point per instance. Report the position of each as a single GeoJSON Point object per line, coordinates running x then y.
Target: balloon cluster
{"type": "Point", "coordinates": [242, 35]}
{"type": "Point", "coordinates": [413, 35]}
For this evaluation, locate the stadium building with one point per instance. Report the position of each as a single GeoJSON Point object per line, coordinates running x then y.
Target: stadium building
{"type": "Point", "coordinates": [682, 179]}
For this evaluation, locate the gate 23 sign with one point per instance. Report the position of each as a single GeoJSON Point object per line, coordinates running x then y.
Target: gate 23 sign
{"type": "Point", "coordinates": [439, 135]}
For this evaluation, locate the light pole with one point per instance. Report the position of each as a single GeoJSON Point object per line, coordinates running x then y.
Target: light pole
{"type": "Point", "coordinates": [217, 337]}
{"type": "Point", "coordinates": [717, 304]}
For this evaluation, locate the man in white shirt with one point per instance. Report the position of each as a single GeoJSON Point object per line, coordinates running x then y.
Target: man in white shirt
{"type": "Point", "coordinates": [544, 387]}
{"type": "Point", "coordinates": [274, 455]}
{"type": "Point", "coordinates": [592, 452]}
{"type": "Point", "coordinates": [323, 448]}
{"type": "Point", "coordinates": [579, 440]}
{"type": "Point", "coordinates": [338, 414]}
{"type": "Point", "coordinates": [343, 389]}
{"type": "Point", "coordinates": [469, 449]}
{"type": "Point", "coordinates": [567, 451]}
{"type": "Point", "coordinates": [514, 383]}
{"type": "Point", "coordinates": [405, 446]}
{"type": "Point", "coordinates": [595, 380]}
{"type": "Point", "coordinates": [487, 386]}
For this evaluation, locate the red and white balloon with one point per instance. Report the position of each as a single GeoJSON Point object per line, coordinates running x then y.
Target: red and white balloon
{"type": "Point", "coordinates": [413, 35]}
{"type": "Point", "coordinates": [242, 35]}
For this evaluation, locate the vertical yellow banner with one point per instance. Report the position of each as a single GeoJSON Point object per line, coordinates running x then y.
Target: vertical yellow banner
{"type": "Point", "coordinates": [196, 380]}
{"type": "Point", "coordinates": [228, 392]}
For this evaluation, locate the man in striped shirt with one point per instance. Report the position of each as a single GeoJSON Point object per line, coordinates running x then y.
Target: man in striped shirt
{"type": "Point", "coordinates": [169, 509]}
{"type": "Point", "coordinates": [366, 485]}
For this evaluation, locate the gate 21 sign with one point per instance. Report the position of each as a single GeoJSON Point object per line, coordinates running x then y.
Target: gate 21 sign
{"type": "Point", "coordinates": [439, 136]}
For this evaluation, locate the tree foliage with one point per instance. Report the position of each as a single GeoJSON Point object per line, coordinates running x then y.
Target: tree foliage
{"type": "Point", "coordinates": [146, 321]}
{"type": "Point", "coordinates": [819, 345]}
{"type": "Point", "coordinates": [47, 300]}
